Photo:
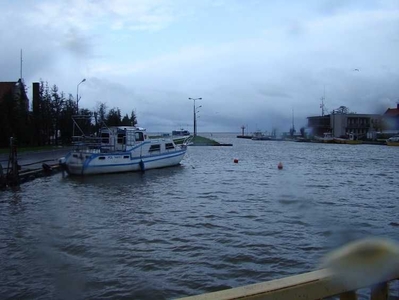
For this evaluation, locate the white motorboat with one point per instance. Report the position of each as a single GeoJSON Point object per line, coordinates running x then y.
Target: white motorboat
{"type": "Point", "coordinates": [327, 138]}
{"type": "Point", "coordinates": [122, 149]}
{"type": "Point", "coordinates": [393, 141]}
{"type": "Point", "coordinates": [179, 136]}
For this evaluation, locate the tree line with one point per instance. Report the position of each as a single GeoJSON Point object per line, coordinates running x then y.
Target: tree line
{"type": "Point", "coordinates": [50, 121]}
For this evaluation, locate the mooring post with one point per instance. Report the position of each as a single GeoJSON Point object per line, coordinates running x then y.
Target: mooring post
{"type": "Point", "coordinates": [2, 178]}
{"type": "Point", "coordinates": [12, 178]}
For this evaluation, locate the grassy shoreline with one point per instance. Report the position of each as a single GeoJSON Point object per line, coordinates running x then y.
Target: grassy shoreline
{"type": "Point", "coordinates": [203, 141]}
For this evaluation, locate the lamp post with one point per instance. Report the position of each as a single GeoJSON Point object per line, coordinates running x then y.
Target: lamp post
{"type": "Point", "coordinates": [195, 115]}
{"type": "Point", "coordinates": [77, 94]}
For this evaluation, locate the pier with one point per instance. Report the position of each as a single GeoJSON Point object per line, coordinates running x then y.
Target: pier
{"type": "Point", "coordinates": [17, 168]}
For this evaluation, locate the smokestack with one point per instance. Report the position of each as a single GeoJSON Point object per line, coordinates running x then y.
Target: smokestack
{"type": "Point", "coordinates": [36, 97]}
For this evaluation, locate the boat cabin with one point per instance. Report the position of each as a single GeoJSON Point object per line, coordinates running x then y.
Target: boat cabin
{"type": "Point", "coordinates": [118, 138]}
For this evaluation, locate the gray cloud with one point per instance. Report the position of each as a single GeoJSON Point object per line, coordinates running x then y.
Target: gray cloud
{"type": "Point", "coordinates": [247, 74]}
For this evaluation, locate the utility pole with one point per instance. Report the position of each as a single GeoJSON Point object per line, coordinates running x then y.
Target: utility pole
{"type": "Point", "coordinates": [195, 116]}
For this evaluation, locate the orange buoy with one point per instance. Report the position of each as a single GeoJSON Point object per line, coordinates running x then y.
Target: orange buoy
{"type": "Point", "coordinates": [235, 160]}
{"type": "Point", "coordinates": [280, 166]}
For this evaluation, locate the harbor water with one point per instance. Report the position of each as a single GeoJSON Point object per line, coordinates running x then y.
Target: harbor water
{"type": "Point", "coordinates": [206, 225]}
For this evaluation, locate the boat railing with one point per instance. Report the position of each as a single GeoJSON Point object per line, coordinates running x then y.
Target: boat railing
{"type": "Point", "coordinates": [318, 284]}
{"type": "Point", "coordinates": [188, 140]}
{"type": "Point", "coordinates": [87, 143]}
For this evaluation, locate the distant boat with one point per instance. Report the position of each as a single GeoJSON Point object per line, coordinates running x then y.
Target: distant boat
{"type": "Point", "coordinates": [259, 136]}
{"type": "Point", "coordinates": [327, 138]}
{"type": "Point", "coordinates": [180, 136]}
{"type": "Point", "coordinates": [393, 141]}
{"type": "Point", "coordinates": [352, 139]}
{"type": "Point", "coordinates": [181, 132]}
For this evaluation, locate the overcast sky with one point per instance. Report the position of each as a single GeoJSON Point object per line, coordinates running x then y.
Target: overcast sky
{"type": "Point", "coordinates": [252, 62]}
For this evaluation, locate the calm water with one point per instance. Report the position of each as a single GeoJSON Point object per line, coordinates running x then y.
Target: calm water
{"type": "Point", "coordinates": [206, 225]}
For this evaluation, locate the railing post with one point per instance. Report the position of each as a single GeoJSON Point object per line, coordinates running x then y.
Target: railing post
{"type": "Point", "coordinates": [348, 296]}
{"type": "Point", "coordinates": [380, 291]}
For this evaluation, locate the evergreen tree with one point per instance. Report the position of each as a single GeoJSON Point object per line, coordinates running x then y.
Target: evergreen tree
{"type": "Point", "coordinates": [133, 118]}
{"type": "Point", "coordinates": [126, 120]}
{"type": "Point", "coordinates": [114, 117]}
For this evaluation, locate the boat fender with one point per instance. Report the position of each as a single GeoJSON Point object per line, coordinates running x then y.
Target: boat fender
{"type": "Point", "coordinates": [142, 166]}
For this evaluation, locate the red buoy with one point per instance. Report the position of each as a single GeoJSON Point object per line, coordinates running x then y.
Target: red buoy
{"type": "Point", "coordinates": [235, 160]}
{"type": "Point", "coordinates": [280, 166]}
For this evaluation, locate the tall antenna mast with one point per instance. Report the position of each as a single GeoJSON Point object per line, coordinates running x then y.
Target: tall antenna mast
{"type": "Point", "coordinates": [322, 102]}
{"type": "Point", "coordinates": [20, 76]}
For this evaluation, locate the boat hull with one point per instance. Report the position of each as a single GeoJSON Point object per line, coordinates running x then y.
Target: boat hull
{"type": "Point", "coordinates": [347, 141]}
{"type": "Point", "coordinates": [78, 163]}
{"type": "Point", "coordinates": [392, 143]}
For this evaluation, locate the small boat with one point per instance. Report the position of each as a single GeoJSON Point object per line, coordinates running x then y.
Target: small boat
{"type": "Point", "coordinates": [180, 136]}
{"type": "Point", "coordinates": [259, 136]}
{"type": "Point", "coordinates": [352, 140]}
{"type": "Point", "coordinates": [181, 132]}
{"type": "Point", "coordinates": [393, 141]}
{"type": "Point", "coordinates": [327, 138]}
{"type": "Point", "coordinates": [122, 149]}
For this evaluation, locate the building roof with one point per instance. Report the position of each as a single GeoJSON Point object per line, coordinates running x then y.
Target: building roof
{"type": "Point", "coordinates": [392, 112]}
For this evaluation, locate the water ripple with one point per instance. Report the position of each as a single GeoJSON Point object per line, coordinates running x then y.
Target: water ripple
{"type": "Point", "coordinates": [207, 225]}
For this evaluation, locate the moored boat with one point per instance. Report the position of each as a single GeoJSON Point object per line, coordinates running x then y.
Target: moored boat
{"type": "Point", "coordinates": [327, 138]}
{"type": "Point", "coordinates": [260, 136]}
{"type": "Point", "coordinates": [352, 140]}
{"type": "Point", "coordinates": [393, 141]}
{"type": "Point", "coordinates": [122, 149]}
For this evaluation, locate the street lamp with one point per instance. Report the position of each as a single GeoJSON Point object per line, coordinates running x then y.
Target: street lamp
{"type": "Point", "coordinates": [195, 115]}
{"type": "Point", "coordinates": [196, 118]}
{"type": "Point", "coordinates": [77, 93]}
